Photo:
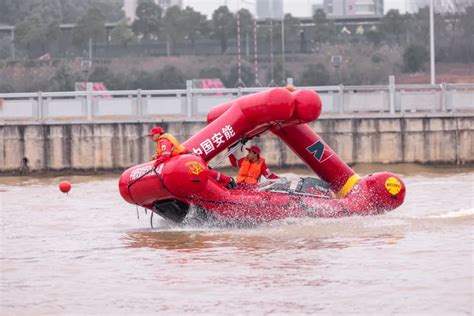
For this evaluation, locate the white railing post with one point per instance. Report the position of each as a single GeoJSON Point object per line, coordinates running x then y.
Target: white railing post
{"type": "Point", "coordinates": [40, 105]}
{"type": "Point", "coordinates": [444, 103]}
{"type": "Point", "coordinates": [400, 100]}
{"type": "Point", "coordinates": [189, 98]}
{"type": "Point", "coordinates": [89, 100]}
{"type": "Point", "coordinates": [402, 105]}
{"type": "Point", "coordinates": [289, 81]}
{"type": "Point", "coordinates": [341, 99]}
{"type": "Point", "coordinates": [391, 93]}
{"type": "Point", "coordinates": [139, 103]}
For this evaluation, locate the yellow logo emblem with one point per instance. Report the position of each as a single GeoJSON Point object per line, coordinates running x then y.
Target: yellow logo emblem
{"type": "Point", "coordinates": [393, 186]}
{"type": "Point", "coordinates": [195, 167]}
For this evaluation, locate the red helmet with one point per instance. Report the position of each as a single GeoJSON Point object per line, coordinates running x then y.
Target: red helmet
{"type": "Point", "coordinates": [255, 149]}
{"type": "Point", "coordinates": [156, 130]}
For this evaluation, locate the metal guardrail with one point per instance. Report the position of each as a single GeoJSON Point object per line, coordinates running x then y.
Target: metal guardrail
{"type": "Point", "coordinates": [193, 103]}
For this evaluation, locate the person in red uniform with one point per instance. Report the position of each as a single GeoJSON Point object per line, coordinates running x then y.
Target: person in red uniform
{"type": "Point", "coordinates": [252, 167]}
{"type": "Point", "coordinates": [168, 146]}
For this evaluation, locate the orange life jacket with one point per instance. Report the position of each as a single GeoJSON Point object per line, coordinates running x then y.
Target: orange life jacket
{"type": "Point", "coordinates": [178, 149]}
{"type": "Point", "coordinates": [250, 171]}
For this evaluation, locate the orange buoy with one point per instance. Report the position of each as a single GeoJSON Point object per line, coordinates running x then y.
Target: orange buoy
{"type": "Point", "coordinates": [65, 186]}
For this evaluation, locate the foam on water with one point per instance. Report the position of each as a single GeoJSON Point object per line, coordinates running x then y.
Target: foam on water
{"type": "Point", "coordinates": [453, 214]}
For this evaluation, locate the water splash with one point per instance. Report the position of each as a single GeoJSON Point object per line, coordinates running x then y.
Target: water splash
{"type": "Point", "coordinates": [453, 214]}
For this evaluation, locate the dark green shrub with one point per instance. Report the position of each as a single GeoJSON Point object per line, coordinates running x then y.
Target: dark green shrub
{"type": "Point", "coordinates": [414, 58]}
{"type": "Point", "coordinates": [315, 75]}
{"type": "Point", "coordinates": [213, 72]}
{"type": "Point", "coordinates": [247, 76]}
{"type": "Point", "coordinates": [171, 77]}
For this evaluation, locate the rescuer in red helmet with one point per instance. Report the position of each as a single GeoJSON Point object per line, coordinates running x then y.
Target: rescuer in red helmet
{"type": "Point", "coordinates": [167, 145]}
{"type": "Point", "coordinates": [252, 167]}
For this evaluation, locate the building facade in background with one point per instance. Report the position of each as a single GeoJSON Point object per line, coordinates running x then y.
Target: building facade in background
{"type": "Point", "coordinates": [341, 8]}
{"type": "Point", "coordinates": [269, 9]}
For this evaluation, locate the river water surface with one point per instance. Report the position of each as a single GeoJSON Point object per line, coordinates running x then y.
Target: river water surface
{"type": "Point", "coordinates": [87, 253]}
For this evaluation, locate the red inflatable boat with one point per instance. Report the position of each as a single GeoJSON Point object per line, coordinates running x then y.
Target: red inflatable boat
{"type": "Point", "coordinates": [183, 181]}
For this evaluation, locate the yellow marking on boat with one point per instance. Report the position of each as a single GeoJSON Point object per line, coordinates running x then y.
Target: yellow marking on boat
{"type": "Point", "coordinates": [393, 186]}
{"type": "Point", "coordinates": [194, 167]}
{"type": "Point", "coordinates": [348, 185]}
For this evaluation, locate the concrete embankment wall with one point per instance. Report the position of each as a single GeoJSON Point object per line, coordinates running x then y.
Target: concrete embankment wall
{"type": "Point", "coordinates": [115, 146]}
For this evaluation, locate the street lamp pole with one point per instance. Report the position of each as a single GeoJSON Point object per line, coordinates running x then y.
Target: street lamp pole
{"type": "Point", "coordinates": [432, 52]}
{"type": "Point", "coordinates": [254, 3]}
{"type": "Point", "coordinates": [272, 81]}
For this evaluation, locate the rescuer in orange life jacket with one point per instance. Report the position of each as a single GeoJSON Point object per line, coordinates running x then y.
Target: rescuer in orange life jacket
{"type": "Point", "coordinates": [168, 146]}
{"type": "Point", "coordinates": [252, 167]}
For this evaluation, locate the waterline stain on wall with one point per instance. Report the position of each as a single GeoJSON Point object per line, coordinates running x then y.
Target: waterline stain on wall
{"type": "Point", "coordinates": [112, 146]}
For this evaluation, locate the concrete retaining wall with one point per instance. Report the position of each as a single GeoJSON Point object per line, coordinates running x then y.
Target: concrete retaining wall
{"type": "Point", "coordinates": [115, 146]}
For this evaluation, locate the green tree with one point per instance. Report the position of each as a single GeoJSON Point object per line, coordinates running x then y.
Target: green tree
{"type": "Point", "coordinates": [419, 27]}
{"type": "Point", "coordinates": [315, 75]}
{"type": "Point", "coordinates": [73, 10]}
{"type": "Point", "coordinates": [414, 58]}
{"type": "Point", "coordinates": [374, 36]}
{"type": "Point", "coordinates": [36, 35]}
{"type": "Point", "coordinates": [90, 26]}
{"type": "Point", "coordinates": [38, 27]}
{"type": "Point", "coordinates": [393, 24]}
{"type": "Point", "coordinates": [467, 21]}
{"type": "Point", "coordinates": [49, 10]}
{"type": "Point", "coordinates": [172, 27]}
{"type": "Point", "coordinates": [180, 25]}
{"type": "Point", "coordinates": [148, 19]}
{"type": "Point", "coordinates": [194, 24]}
{"type": "Point", "coordinates": [292, 28]}
{"type": "Point", "coordinates": [246, 22]}
{"type": "Point", "coordinates": [122, 35]}
{"type": "Point", "coordinates": [466, 48]}
{"type": "Point", "coordinates": [12, 11]}
{"type": "Point", "coordinates": [110, 9]}
{"type": "Point", "coordinates": [223, 22]}
{"type": "Point", "coordinates": [324, 29]}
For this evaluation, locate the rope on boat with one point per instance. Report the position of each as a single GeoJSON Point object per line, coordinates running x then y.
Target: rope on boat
{"type": "Point", "coordinates": [242, 141]}
{"type": "Point", "coordinates": [232, 149]}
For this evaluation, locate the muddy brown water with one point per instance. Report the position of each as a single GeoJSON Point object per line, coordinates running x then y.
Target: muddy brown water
{"type": "Point", "coordinates": [87, 253]}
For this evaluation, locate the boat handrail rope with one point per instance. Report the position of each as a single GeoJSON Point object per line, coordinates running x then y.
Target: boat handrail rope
{"type": "Point", "coordinates": [232, 149]}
